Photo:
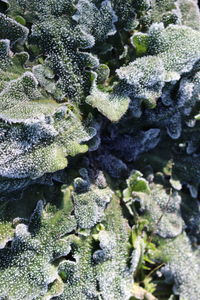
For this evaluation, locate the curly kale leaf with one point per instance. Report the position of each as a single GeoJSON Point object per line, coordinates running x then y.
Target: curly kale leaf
{"type": "Point", "coordinates": [33, 10]}
{"type": "Point", "coordinates": [129, 147]}
{"type": "Point", "coordinates": [11, 66]}
{"type": "Point", "coordinates": [89, 201]}
{"type": "Point", "coordinates": [190, 15]}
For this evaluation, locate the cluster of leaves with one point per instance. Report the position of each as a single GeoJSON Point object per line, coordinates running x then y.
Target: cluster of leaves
{"type": "Point", "coordinates": [99, 149]}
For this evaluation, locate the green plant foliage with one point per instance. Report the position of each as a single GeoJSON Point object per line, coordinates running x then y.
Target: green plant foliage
{"type": "Point", "coordinates": [135, 184]}
{"type": "Point", "coordinates": [188, 9]}
{"type": "Point", "coordinates": [27, 265]}
{"type": "Point", "coordinates": [28, 122]}
{"type": "Point", "coordinates": [11, 67]}
{"type": "Point", "coordinates": [162, 209]}
{"type": "Point", "coordinates": [97, 22]}
{"type": "Point", "coordinates": [12, 30]}
{"type": "Point", "coordinates": [97, 268]}
{"type": "Point", "coordinates": [89, 201]}
{"type": "Point", "coordinates": [66, 59]}
{"type": "Point", "coordinates": [111, 105]}
{"type": "Point", "coordinates": [99, 149]}
{"type": "Point", "coordinates": [143, 80]}
{"type": "Point", "coordinates": [180, 250]}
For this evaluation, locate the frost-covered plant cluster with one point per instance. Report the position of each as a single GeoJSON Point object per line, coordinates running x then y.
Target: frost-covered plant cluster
{"type": "Point", "coordinates": [99, 149]}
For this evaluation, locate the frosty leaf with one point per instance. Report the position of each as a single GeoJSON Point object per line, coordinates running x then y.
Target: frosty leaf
{"type": "Point", "coordinates": [126, 12]}
{"type": "Point", "coordinates": [182, 12]}
{"type": "Point", "coordinates": [114, 166]}
{"type": "Point", "coordinates": [146, 76]}
{"type": "Point", "coordinates": [12, 30]}
{"type": "Point", "coordinates": [144, 79]}
{"type": "Point", "coordinates": [183, 265]}
{"type": "Point", "coordinates": [135, 183]}
{"type": "Point", "coordinates": [56, 289]}
{"type": "Point", "coordinates": [6, 233]}
{"type": "Point", "coordinates": [45, 77]}
{"type": "Point", "coordinates": [115, 280]}
{"type": "Point", "coordinates": [129, 147]}
{"type": "Point", "coordinates": [11, 66]}
{"type": "Point", "coordinates": [190, 13]}
{"type": "Point", "coordinates": [163, 211]}
{"type": "Point", "coordinates": [140, 42]}
{"type": "Point", "coordinates": [32, 10]}
{"type": "Point", "coordinates": [26, 266]}
{"type": "Point", "coordinates": [36, 135]}
{"type": "Point", "coordinates": [4, 51]}
{"type": "Point", "coordinates": [177, 46]}
{"type": "Point", "coordinates": [91, 267]}
{"type": "Point", "coordinates": [60, 39]}
{"type": "Point", "coordinates": [97, 22]}
{"type": "Point", "coordinates": [89, 202]}
{"type": "Point", "coordinates": [103, 73]}
{"type": "Point", "coordinates": [166, 11]}
{"type": "Point", "coordinates": [112, 106]}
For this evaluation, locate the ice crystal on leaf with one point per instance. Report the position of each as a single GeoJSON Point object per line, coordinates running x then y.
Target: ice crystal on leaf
{"type": "Point", "coordinates": [30, 121]}
{"type": "Point", "coordinates": [97, 22]}
{"type": "Point", "coordinates": [26, 266]}
{"type": "Point", "coordinates": [99, 149]}
{"type": "Point", "coordinates": [170, 53]}
{"type": "Point", "coordinates": [12, 30]}
{"type": "Point", "coordinates": [89, 201]}
{"type": "Point", "coordinates": [161, 209]}
{"type": "Point", "coordinates": [184, 264]}
{"type": "Point", "coordinates": [98, 267]}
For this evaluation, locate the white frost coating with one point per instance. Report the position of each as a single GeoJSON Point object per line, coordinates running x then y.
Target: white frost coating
{"type": "Point", "coordinates": [158, 204]}
{"type": "Point", "coordinates": [112, 105]}
{"type": "Point", "coordinates": [36, 136]}
{"type": "Point", "coordinates": [97, 22]}
{"type": "Point", "coordinates": [21, 231]}
{"type": "Point", "coordinates": [174, 126]}
{"type": "Point", "coordinates": [183, 265]}
{"type": "Point", "coordinates": [145, 77]}
{"type": "Point", "coordinates": [12, 30]}
{"type": "Point", "coordinates": [115, 17]}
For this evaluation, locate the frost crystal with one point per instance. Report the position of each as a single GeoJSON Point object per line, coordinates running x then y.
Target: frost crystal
{"type": "Point", "coordinates": [99, 149]}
